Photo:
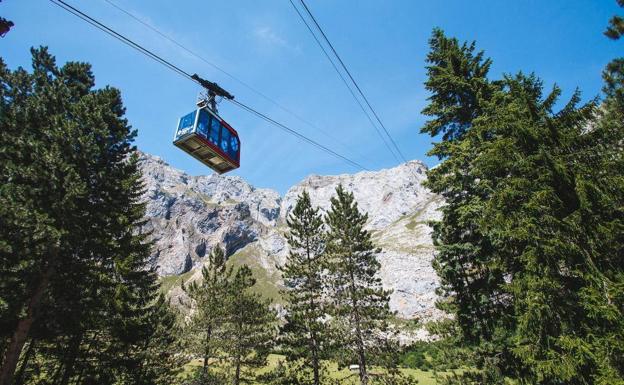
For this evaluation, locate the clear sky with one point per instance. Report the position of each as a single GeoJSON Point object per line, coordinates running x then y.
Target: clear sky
{"type": "Point", "coordinates": [264, 43]}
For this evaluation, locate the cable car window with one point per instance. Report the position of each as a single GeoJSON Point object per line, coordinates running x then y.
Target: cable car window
{"type": "Point", "coordinates": [225, 140]}
{"type": "Point", "coordinates": [203, 123]}
{"type": "Point", "coordinates": [186, 124]}
{"type": "Point", "coordinates": [234, 147]}
{"type": "Point", "coordinates": [215, 127]}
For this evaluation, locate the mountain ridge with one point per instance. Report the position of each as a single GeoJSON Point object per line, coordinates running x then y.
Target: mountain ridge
{"type": "Point", "coordinates": [189, 215]}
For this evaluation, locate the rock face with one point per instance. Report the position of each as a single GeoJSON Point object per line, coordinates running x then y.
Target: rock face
{"type": "Point", "coordinates": [188, 216]}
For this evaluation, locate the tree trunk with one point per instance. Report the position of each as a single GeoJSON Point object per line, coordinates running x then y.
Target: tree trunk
{"type": "Point", "coordinates": [207, 349]}
{"type": "Point", "coordinates": [361, 352]}
{"type": "Point", "coordinates": [362, 364]}
{"type": "Point", "coordinates": [238, 370]}
{"type": "Point", "coordinates": [313, 338]}
{"type": "Point", "coordinates": [315, 361]}
{"type": "Point", "coordinates": [70, 359]}
{"type": "Point", "coordinates": [20, 334]}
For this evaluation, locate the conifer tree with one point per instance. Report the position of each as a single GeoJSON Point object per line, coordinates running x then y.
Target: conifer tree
{"type": "Point", "coordinates": [210, 297]}
{"type": "Point", "coordinates": [359, 304]}
{"type": "Point", "coordinates": [250, 328]}
{"type": "Point", "coordinates": [158, 348]}
{"type": "Point", "coordinates": [457, 80]}
{"type": "Point", "coordinates": [72, 256]}
{"type": "Point", "coordinates": [303, 336]}
{"type": "Point", "coordinates": [528, 252]}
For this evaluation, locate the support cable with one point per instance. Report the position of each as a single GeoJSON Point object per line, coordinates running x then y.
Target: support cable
{"type": "Point", "coordinates": [352, 79]}
{"type": "Point", "coordinates": [305, 22]}
{"type": "Point", "coordinates": [67, 7]}
{"type": "Point", "coordinates": [230, 75]}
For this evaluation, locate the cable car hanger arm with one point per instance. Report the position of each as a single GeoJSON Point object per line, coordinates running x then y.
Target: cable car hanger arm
{"type": "Point", "coordinates": [212, 87]}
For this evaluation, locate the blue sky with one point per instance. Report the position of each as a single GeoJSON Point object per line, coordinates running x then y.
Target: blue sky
{"type": "Point", "coordinates": [264, 43]}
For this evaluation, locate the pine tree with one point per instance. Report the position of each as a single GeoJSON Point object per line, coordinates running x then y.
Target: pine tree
{"type": "Point", "coordinates": [359, 305]}
{"type": "Point", "coordinates": [250, 328]}
{"type": "Point", "coordinates": [206, 326]}
{"type": "Point", "coordinates": [303, 335]}
{"type": "Point", "coordinates": [160, 359]}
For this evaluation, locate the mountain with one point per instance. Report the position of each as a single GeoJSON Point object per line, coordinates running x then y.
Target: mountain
{"type": "Point", "coordinates": [189, 215]}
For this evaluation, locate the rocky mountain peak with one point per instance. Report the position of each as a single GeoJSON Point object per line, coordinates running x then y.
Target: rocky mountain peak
{"type": "Point", "coordinates": [189, 215]}
{"type": "Point", "coordinates": [386, 195]}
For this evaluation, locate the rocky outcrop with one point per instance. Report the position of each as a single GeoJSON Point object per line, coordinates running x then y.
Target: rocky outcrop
{"type": "Point", "coordinates": [188, 216]}
{"type": "Point", "coordinates": [385, 195]}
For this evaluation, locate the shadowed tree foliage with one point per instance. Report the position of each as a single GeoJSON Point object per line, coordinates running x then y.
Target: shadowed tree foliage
{"type": "Point", "coordinates": [75, 290]}
{"type": "Point", "coordinates": [615, 30]}
{"type": "Point", "coordinates": [204, 331]}
{"type": "Point", "coordinates": [250, 327]}
{"type": "Point", "coordinates": [530, 243]}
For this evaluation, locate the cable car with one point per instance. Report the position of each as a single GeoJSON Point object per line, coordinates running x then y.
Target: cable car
{"type": "Point", "coordinates": [206, 136]}
{"type": "Point", "coordinates": [210, 139]}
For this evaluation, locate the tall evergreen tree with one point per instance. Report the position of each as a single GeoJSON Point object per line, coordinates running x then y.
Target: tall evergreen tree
{"type": "Point", "coordinates": [529, 251]}
{"type": "Point", "coordinates": [250, 327]}
{"type": "Point", "coordinates": [303, 335]}
{"type": "Point", "coordinates": [359, 305]}
{"type": "Point", "coordinates": [210, 297]}
{"type": "Point", "coordinates": [72, 256]}
{"type": "Point", "coordinates": [457, 80]}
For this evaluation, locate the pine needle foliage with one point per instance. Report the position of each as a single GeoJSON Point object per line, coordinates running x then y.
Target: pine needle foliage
{"type": "Point", "coordinates": [206, 326]}
{"type": "Point", "coordinates": [359, 304]}
{"type": "Point", "coordinates": [615, 30]}
{"type": "Point", "coordinates": [303, 336]}
{"type": "Point", "coordinates": [530, 242]}
{"type": "Point", "coordinates": [251, 328]}
{"type": "Point", "coordinates": [75, 290]}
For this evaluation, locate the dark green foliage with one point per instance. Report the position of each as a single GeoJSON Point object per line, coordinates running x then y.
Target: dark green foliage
{"type": "Point", "coordinates": [229, 323]}
{"type": "Point", "coordinates": [615, 30]}
{"type": "Point", "coordinates": [459, 86]}
{"type": "Point", "coordinates": [290, 373]}
{"type": "Point", "coordinates": [250, 328]}
{"type": "Point", "coordinates": [304, 336]}
{"type": "Point", "coordinates": [421, 355]}
{"type": "Point", "coordinates": [75, 290]}
{"type": "Point", "coordinates": [204, 333]}
{"type": "Point", "coordinates": [614, 73]}
{"type": "Point", "coordinates": [457, 80]}
{"type": "Point", "coordinates": [201, 377]}
{"type": "Point", "coordinates": [359, 304]}
{"type": "Point", "coordinates": [530, 244]}
{"type": "Point", "coordinates": [158, 351]}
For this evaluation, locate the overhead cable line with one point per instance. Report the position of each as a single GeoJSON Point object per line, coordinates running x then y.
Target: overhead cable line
{"type": "Point", "coordinates": [228, 74]}
{"type": "Point", "coordinates": [305, 22]}
{"type": "Point", "coordinates": [76, 12]}
{"type": "Point", "coordinates": [352, 79]}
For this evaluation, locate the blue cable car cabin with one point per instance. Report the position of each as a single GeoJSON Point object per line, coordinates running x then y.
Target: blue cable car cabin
{"type": "Point", "coordinates": [210, 139]}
